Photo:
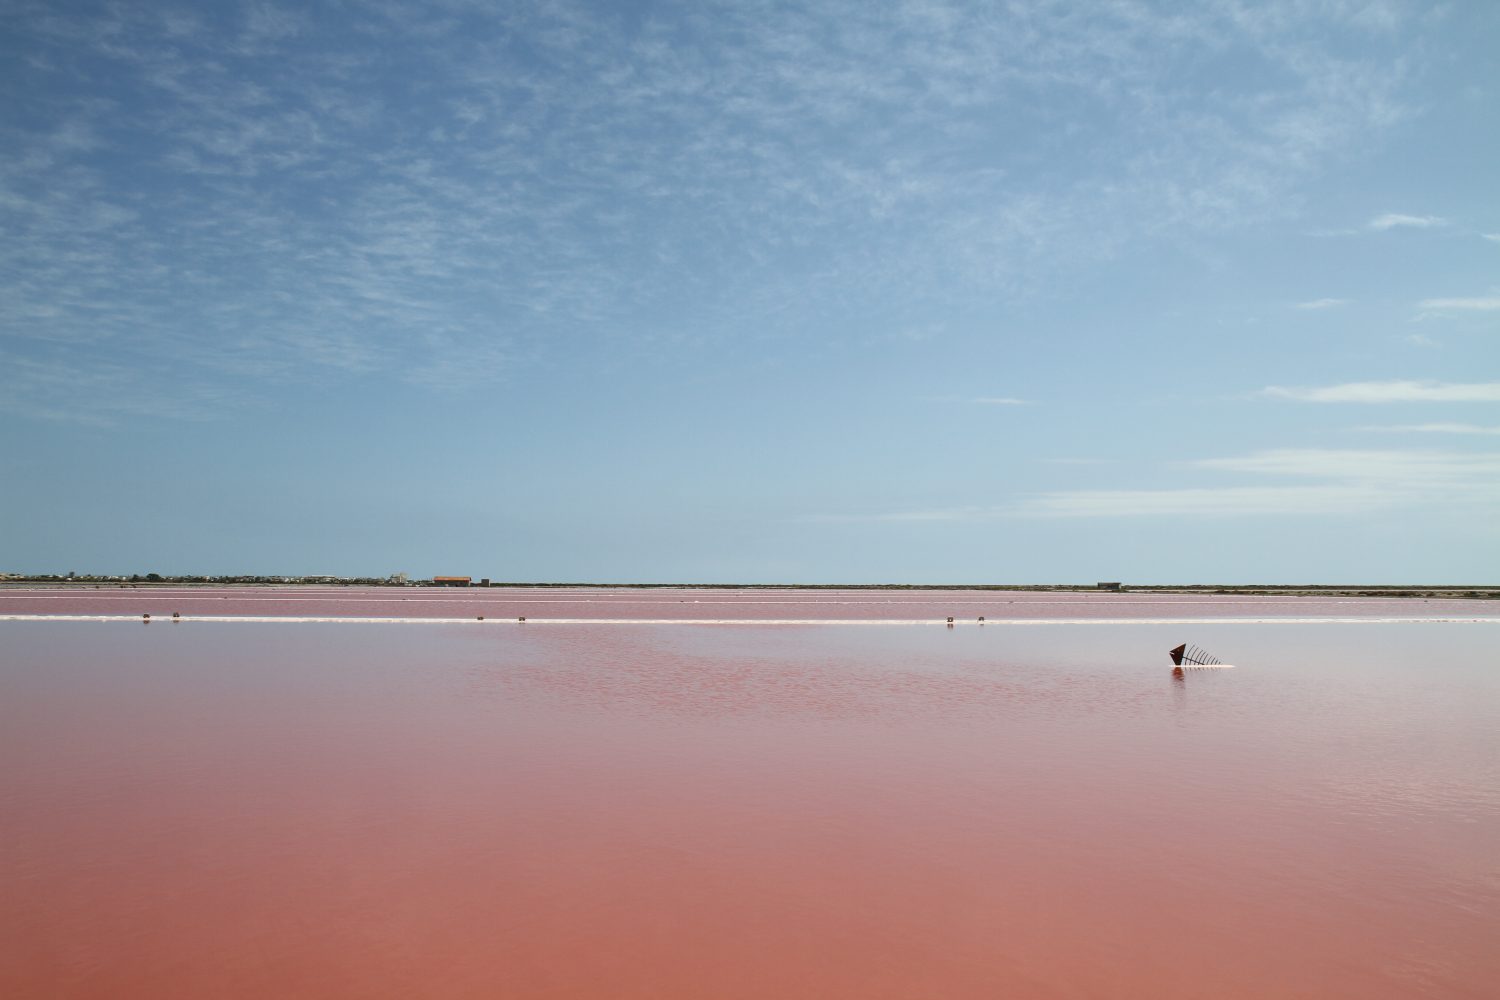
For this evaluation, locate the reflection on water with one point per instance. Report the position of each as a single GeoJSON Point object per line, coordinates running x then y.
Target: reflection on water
{"type": "Point", "coordinates": [236, 810]}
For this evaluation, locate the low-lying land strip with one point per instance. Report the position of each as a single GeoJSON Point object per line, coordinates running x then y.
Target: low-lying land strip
{"type": "Point", "coordinates": [157, 581]}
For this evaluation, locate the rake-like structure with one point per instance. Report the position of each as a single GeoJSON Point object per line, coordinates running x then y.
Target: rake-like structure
{"type": "Point", "coordinates": [1191, 656]}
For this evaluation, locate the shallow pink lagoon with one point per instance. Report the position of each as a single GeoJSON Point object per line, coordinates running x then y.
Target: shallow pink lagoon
{"type": "Point", "coordinates": [284, 809]}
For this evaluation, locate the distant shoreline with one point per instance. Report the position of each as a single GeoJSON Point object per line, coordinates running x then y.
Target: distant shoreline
{"type": "Point", "coordinates": [1450, 591]}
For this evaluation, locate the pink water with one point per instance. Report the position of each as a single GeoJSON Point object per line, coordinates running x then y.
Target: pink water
{"type": "Point", "coordinates": [218, 809]}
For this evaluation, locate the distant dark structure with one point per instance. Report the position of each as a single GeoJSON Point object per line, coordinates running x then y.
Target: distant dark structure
{"type": "Point", "coordinates": [1108, 585]}
{"type": "Point", "coordinates": [451, 581]}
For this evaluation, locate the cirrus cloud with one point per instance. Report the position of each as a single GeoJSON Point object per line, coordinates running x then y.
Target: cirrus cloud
{"type": "Point", "coordinates": [1483, 304]}
{"type": "Point", "coordinates": [1392, 391]}
{"type": "Point", "coordinates": [1395, 220]}
{"type": "Point", "coordinates": [1322, 482]}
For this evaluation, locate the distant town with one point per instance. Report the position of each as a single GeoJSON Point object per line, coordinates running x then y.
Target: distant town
{"type": "Point", "coordinates": [1483, 592]}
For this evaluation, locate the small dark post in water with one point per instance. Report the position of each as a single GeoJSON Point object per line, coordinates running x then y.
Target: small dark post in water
{"type": "Point", "coordinates": [521, 619]}
{"type": "Point", "coordinates": [981, 619]}
{"type": "Point", "coordinates": [146, 617]}
{"type": "Point", "coordinates": [950, 619]}
{"type": "Point", "coordinates": [481, 617]}
{"type": "Point", "coordinates": [176, 616]}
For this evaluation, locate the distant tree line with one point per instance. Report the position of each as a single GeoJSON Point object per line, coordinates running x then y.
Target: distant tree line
{"type": "Point", "coordinates": [396, 580]}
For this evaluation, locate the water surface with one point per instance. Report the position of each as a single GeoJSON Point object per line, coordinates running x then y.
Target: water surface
{"type": "Point", "coordinates": [214, 809]}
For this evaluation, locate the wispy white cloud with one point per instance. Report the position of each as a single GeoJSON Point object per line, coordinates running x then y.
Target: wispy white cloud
{"type": "Point", "coordinates": [1395, 220]}
{"type": "Point", "coordinates": [1350, 481]}
{"type": "Point", "coordinates": [1481, 304]}
{"type": "Point", "coordinates": [1437, 428]}
{"type": "Point", "coordinates": [1228, 501]}
{"type": "Point", "coordinates": [1492, 237]}
{"type": "Point", "coordinates": [1395, 391]}
{"type": "Point", "coordinates": [1409, 468]}
{"type": "Point", "coordinates": [979, 400]}
{"type": "Point", "coordinates": [1321, 304]}
{"type": "Point", "coordinates": [1333, 481]}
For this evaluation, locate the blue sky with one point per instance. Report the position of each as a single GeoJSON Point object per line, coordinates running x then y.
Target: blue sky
{"type": "Point", "coordinates": [836, 292]}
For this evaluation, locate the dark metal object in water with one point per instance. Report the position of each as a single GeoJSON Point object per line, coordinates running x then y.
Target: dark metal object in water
{"type": "Point", "coordinates": [1191, 656]}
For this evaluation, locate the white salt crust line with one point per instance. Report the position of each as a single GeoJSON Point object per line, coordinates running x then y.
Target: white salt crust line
{"type": "Point", "coordinates": [350, 620]}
